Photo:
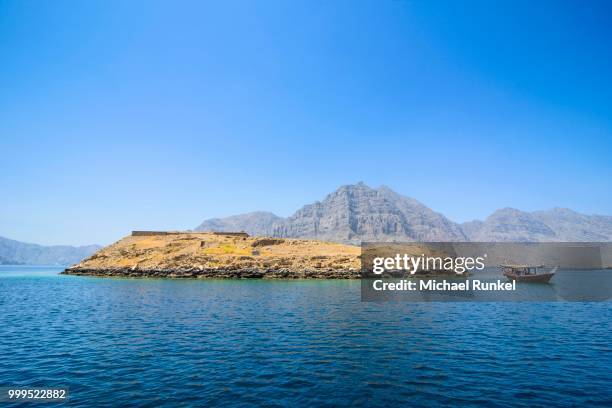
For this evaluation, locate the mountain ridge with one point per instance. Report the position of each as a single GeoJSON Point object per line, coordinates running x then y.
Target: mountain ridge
{"type": "Point", "coordinates": [14, 252]}
{"type": "Point", "coordinates": [356, 212]}
{"type": "Point", "coordinates": [351, 214]}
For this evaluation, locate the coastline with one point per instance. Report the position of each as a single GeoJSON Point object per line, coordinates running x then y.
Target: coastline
{"type": "Point", "coordinates": [195, 273]}
{"type": "Point", "coordinates": [215, 255]}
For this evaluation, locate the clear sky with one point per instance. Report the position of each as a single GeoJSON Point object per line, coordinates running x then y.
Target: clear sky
{"type": "Point", "coordinates": [156, 115]}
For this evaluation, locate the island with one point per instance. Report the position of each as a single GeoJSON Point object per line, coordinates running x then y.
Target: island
{"type": "Point", "coordinates": [178, 254]}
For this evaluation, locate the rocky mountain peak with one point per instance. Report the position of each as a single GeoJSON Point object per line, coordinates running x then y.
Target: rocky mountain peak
{"type": "Point", "coordinates": [357, 212]}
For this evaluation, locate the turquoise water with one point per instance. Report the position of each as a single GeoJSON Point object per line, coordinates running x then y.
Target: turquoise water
{"type": "Point", "coordinates": [286, 343]}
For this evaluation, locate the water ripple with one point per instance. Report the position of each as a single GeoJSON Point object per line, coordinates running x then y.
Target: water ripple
{"type": "Point", "coordinates": [236, 343]}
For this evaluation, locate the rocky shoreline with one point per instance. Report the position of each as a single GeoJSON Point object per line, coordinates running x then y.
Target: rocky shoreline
{"type": "Point", "coordinates": [214, 255]}
{"type": "Point", "coordinates": [217, 273]}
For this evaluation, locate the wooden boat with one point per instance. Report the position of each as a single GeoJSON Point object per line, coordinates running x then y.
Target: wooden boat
{"type": "Point", "coordinates": [527, 273]}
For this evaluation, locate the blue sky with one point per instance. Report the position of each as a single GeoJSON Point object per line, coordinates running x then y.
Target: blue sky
{"type": "Point", "coordinates": [156, 115]}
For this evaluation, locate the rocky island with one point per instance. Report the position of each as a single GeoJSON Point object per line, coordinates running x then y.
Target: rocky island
{"type": "Point", "coordinates": [220, 255]}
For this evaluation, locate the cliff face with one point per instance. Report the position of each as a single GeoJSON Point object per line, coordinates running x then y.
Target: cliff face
{"type": "Point", "coordinates": [351, 214]}
{"type": "Point", "coordinates": [357, 213]}
{"type": "Point", "coordinates": [207, 255]}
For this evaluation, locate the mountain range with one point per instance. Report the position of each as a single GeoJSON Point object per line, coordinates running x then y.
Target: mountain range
{"type": "Point", "coordinates": [356, 213]}
{"type": "Point", "coordinates": [21, 253]}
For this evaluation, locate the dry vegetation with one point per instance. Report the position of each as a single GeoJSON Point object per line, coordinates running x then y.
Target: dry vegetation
{"type": "Point", "coordinates": [212, 255]}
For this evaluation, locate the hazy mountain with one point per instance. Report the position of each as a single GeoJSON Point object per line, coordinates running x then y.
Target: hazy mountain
{"type": "Point", "coordinates": [471, 229]}
{"type": "Point", "coordinates": [255, 223]}
{"type": "Point", "coordinates": [16, 253]}
{"type": "Point", "coordinates": [572, 226]}
{"type": "Point", "coordinates": [353, 213]}
{"type": "Point", "coordinates": [509, 224]}
{"type": "Point", "coordinates": [558, 224]}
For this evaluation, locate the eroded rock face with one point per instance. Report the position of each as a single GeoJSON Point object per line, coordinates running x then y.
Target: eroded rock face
{"type": "Point", "coordinates": [357, 213]}
{"type": "Point", "coordinates": [222, 256]}
{"type": "Point", "coordinates": [247, 273]}
{"type": "Point", "coordinates": [351, 214]}
{"type": "Point", "coordinates": [267, 242]}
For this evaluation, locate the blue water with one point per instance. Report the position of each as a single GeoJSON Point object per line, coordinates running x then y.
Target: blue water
{"type": "Point", "coordinates": [120, 342]}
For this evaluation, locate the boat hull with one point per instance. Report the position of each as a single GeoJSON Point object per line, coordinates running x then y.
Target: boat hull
{"type": "Point", "coordinates": [539, 278]}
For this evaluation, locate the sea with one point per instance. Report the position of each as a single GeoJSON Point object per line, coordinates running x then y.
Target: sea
{"type": "Point", "coordinates": [155, 342]}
